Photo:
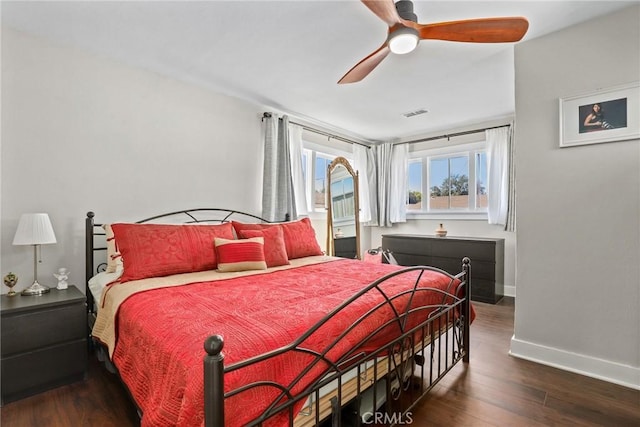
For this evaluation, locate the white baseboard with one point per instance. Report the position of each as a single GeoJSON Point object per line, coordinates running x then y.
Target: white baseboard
{"type": "Point", "coordinates": [605, 370]}
{"type": "Point", "coordinates": [509, 291]}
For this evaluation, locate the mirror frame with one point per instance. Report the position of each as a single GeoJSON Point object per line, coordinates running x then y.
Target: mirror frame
{"type": "Point", "coordinates": [341, 161]}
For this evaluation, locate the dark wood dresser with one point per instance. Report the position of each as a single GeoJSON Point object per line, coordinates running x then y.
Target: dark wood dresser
{"type": "Point", "coordinates": [43, 343]}
{"type": "Point", "coordinates": [345, 247]}
{"type": "Point", "coordinates": [487, 259]}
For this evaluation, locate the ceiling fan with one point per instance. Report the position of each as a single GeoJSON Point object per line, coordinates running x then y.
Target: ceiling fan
{"type": "Point", "coordinates": [405, 33]}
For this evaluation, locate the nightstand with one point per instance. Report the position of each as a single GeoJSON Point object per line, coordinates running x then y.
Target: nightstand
{"type": "Point", "coordinates": [43, 343]}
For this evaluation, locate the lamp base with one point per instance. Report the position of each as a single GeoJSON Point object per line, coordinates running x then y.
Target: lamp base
{"type": "Point", "coordinates": [35, 289]}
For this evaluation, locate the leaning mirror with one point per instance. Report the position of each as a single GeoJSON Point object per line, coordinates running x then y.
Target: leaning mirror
{"type": "Point", "coordinates": [343, 222]}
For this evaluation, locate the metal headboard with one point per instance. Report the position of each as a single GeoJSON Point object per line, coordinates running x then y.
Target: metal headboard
{"type": "Point", "coordinates": [187, 216]}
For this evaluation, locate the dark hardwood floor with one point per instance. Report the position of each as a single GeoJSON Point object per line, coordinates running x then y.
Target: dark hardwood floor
{"type": "Point", "coordinates": [493, 390]}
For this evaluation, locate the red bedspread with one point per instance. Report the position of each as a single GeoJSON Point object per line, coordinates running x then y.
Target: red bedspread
{"type": "Point", "coordinates": [161, 332]}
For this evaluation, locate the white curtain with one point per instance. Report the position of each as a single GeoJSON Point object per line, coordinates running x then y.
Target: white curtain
{"type": "Point", "coordinates": [499, 172]}
{"type": "Point", "coordinates": [392, 183]}
{"type": "Point", "coordinates": [372, 175]}
{"type": "Point", "coordinates": [299, 190]}
{"type": "Point", "coordinates": [398, 198]}
{"type": "Point", "coordinates": [360, 164]}
{"type": "Point", "coordinates": [277, 183]}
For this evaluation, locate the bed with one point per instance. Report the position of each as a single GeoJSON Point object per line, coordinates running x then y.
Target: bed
{"type": "Point", "coordinates": [272, 332]}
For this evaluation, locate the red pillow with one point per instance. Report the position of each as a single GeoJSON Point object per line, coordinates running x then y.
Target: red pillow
{"type": "Point", "coordinates": [299, 236]}
{"type": "Point", "coordinates": [154, 250]}
{"type": "Point", "coordinates": [275, 251]}
{"type": "Point", "coordinates": [240, 255]}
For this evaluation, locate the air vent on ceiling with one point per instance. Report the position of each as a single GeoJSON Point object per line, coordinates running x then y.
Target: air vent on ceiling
{"type": "Point", "coordinates": [415, 112]}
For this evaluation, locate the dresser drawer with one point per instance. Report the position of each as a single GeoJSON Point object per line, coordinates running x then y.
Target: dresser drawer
{"type": "Point", "coordinates": [406, 245]}
{"type": "Point", "coordinates": [477, 251]}
{"type": "Point", "coordinates": [33, 372]}
{"type": "Point", "coordinates": [484, 291]}
{"type": "Point", "coordinates": [411, 259]}
{"type": "Point", "coordinates": [450, 265]}
{"type": "Point", "coordinates": [25, 331]}
{"type": "Point", "coordinates": [479, 269]}
{"type": "Point", "coordinates": [345, 247]}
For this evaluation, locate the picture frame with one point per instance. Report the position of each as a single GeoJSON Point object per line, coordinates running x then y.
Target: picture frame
{"type": "Point", "coordinates": [605, 115]}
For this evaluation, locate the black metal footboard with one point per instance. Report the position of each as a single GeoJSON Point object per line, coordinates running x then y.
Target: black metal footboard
{"type": "Point", "coordinates": [376, 381]}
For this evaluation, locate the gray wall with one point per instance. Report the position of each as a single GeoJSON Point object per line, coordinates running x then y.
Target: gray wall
{"type": "Point", "coordinates": [578, 208]}
{"type": "Point", "coordinates": [81, 132]}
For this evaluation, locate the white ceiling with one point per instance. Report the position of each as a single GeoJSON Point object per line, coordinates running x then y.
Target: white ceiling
{"type": "Point", "coordinates": [288, 55]}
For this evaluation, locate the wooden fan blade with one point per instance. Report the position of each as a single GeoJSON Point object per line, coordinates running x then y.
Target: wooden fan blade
{"type": "Point", "coordinates": [364, 67]}
{"type": "Point", "coordinates": [385, 10]}
{"type": "Point", "coordinates": [484, 30]}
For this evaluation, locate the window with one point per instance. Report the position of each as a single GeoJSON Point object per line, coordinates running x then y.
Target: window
{"type": "Point", "coordinates": [482, 201]}
{"type": "Point", "coordinates": [315, 162]}
{"type": "Point", "coordinates": [449, 183]}
{"type": "Point", "coordinates": [414, 183]}
{"type": "Point", "coordinates": [321, 164]}
{"type": "Point", "coordinates": [453, 179]}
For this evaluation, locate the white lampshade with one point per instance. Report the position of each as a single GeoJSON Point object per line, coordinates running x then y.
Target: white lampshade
{"type": "Point", "coordinates": [34, 229]}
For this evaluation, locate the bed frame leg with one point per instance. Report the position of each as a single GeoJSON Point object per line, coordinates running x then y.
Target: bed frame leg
{"type": "Point", "coordinates": [466, 267]}
{"type": "Point", "coordinates": [214, 382]}
{"type": "Point", "coordinates": [89, 270]}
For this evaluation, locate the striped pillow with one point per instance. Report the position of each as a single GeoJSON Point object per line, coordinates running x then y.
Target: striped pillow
{"type": "Point", "coordinates": [240, 255]}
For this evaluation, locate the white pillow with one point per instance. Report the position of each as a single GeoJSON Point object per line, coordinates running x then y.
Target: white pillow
{"type": "Point", "coordinates": [98, 282]}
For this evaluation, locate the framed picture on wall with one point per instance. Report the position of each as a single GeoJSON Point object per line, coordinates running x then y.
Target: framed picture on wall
{"type": "Point", "coordinates": [606, 115]}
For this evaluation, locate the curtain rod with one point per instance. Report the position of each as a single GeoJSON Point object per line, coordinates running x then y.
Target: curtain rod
{"type": "Point", "coordinates": [450, 135]}
{"type": "Point", "coordinates": [320, 132]}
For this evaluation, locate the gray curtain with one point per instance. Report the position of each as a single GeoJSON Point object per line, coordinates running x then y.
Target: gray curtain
{"type": "Point", "coordinates": [277, 183]}
{"type": "Point", "coordinates": [511, 210]}
{"type": "Point", "coordinates": [501, 177]}
{"type": "Point", "coordinates": [383, 162]}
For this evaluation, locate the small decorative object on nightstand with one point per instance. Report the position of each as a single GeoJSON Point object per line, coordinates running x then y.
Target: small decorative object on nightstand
{"type": "Point", "coordinates": [62, 276]}
{"type": "Point", "coordinates": [440, 231]}
{"type": "Point", "coordinates": [10, 280]}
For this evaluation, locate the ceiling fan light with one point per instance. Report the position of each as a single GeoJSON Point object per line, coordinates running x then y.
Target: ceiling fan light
{"type": "Point", "coordinates": [403, 40]}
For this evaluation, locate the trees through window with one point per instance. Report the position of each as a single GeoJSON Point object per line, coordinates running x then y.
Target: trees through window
{"type": "Point", "coordinates": [448, 181]}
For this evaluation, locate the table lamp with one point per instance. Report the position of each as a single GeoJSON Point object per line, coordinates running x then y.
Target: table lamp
{"type": "Point", "coordinates": [34, 229]}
